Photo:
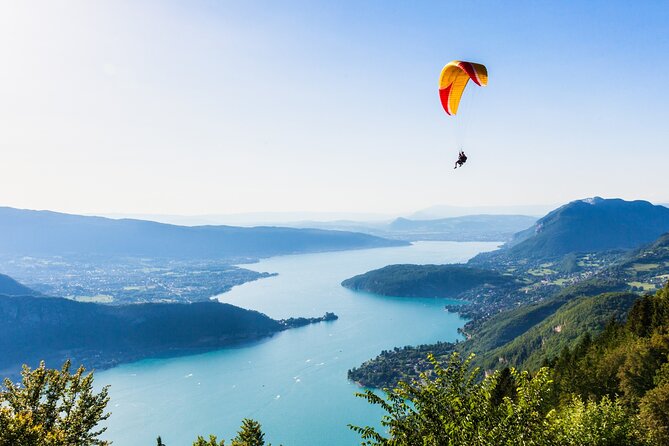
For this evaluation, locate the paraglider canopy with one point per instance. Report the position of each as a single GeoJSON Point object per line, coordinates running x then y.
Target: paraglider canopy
{"type": "Point", "coordinates": [453, 80]}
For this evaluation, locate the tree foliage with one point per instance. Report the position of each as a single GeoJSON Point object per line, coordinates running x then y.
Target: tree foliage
{"type": "Point", "coordinates": [595, 423]}
{"type": "Point", "coordinates": [52, 408]}
{"type": "Point", "coordinates": [250, 434]}
{"type": "Point", "coordinates": [654, 414]}
{"type": "Point", "coordinates": [451, 407]}
{"type": "Point", "coordinates": [212, 441]}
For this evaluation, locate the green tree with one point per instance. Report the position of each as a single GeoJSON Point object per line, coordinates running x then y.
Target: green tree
{"type": "Point", "coordinates": [603, 423]}
{"type": "Point", "coordinates": [213, 441]}
{"type": "Point", "coordinates": [250, 434]}
{"type": "Point", "coordinates": [21, 429]}
{"type": "Point", "coordinates": [643, 361]}
{"type": "Point", "coordinates": [654, 413]}
{"type": "Point", "coordinates": [52, 408]}
{"type": "Point", "coordinates": [504, 387]}
{"type": "Point", "coordinates": [451, 406]}
{"type": "Point", "coordinates": [662, 375]}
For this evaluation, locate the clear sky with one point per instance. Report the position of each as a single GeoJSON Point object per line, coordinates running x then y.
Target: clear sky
{"type": "Point", "coordinates": [196, 107]}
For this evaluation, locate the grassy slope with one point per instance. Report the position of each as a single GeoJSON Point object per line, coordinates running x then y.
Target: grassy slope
{"type": "Point", "coordinates": [545, 340]}
{"type": "Point", "coordinates": [508, 325]}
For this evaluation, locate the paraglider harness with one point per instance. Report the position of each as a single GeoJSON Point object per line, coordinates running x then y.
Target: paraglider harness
{"type": "Point", "coordinates": [462, 158]}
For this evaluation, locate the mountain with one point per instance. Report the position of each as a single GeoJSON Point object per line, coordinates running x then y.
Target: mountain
{"type": "Point", "coordinates": [53, 329]}
{"type": "Point", "coordinates": [425, 280]}
{"type": "Point", "coordinates": [466, 228]}
{"type": "Point", "coordinates": [447, 211]}
{"type": "Point", "coordinates": [470, 227]}
{"type": "Point", "coordinates": [10, 287]}
{"type": "Point", "coordinates": [26, 232]}
{"type": "Point", "coordinates": [590, 225]}
{"type": "Point", "coordinates": [250, 219]}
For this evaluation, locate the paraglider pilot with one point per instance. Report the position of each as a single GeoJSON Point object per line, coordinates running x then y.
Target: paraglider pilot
{"type": "Point", "coordinates": [462, 158]}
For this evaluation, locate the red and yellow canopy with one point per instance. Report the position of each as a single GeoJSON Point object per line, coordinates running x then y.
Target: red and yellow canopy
{"type": "Point", "coordinates": [453, 80]}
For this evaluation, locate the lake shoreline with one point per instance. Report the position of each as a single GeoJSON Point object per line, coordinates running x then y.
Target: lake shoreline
{"type": "Point", "coordinates": [273, 380]}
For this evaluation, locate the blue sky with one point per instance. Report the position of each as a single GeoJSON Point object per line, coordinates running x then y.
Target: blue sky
{"type": "Point", "coordinates": [225, 107]}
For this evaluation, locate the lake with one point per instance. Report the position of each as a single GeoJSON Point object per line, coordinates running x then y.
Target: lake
{"type": "Point", "coordinates": [293, 383]}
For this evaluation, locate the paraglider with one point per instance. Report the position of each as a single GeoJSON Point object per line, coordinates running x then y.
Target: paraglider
{"type": "Point", "coordinates": [452, 82]}
{"type": "Point", "coordinates": [462, 158]}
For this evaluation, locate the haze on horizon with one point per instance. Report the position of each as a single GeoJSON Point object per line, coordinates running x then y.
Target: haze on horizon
{"type": "Point", "coordinates": [204, 107]}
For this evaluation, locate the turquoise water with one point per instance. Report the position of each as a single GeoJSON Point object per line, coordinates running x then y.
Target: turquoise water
{"type": "Point", "coordinates": [294, 383]}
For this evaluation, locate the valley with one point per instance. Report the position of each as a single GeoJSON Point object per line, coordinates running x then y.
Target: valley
{"type": "Point", "coordinates": [520, 324]}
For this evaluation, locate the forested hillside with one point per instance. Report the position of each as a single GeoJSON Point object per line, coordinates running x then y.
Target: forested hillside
{"type": "Point", "coordinates": [581, 316]}
{"type": "Point", "coordinates": [425, 280]}
{"type": "Point", "coordinates": [523, 337]}
{"type": "Point", "coordinates": [55, 329]}
{"type": "Point", "coordinates": [551, 297]}
{"type": "Point", "coordinates": [508, 325]}
{"type": "Point", "coordinates": [10, 287]}
{"type": "Point", "coordinates": [608, 389]}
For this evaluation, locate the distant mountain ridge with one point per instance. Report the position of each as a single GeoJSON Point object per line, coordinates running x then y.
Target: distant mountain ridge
{"type": "Point", "coordinates": [479, 227]}
{"type": "Point", "coordinates": [27, 232]}
{"type": "Point", "coordinates": [449, 211]}
{"type": "Point", "coordinates": [589, 225]}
